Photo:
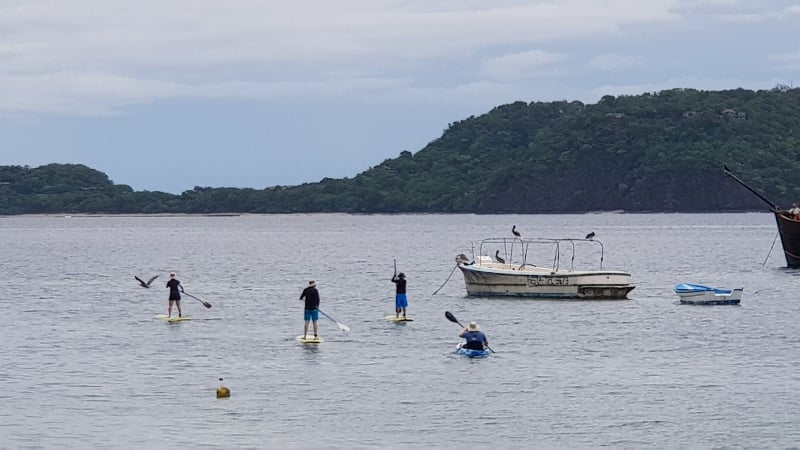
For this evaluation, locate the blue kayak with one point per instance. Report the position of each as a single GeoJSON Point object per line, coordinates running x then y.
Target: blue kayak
{"type": "Point", "coordinates": [470, 353]}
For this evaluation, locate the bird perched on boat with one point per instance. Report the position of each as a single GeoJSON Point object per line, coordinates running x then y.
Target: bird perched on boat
{"type": "Point", "coordinates": [462, 259]}
{"type": "Point", "coordinates": [590, 235]}
{"type": "Point", "coordinates": [514, 231]}
{"type": "Point", "coordinates": [142, 283]}
{"type": "Point", "coordinates": [498, 258]}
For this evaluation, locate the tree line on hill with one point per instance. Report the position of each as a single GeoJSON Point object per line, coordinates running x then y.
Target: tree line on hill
{"type": "Point", "coordinates": [654, 152]}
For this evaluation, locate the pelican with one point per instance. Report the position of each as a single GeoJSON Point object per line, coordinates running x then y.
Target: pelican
{"type": "Point", "coordinates": [141, 282]}
{"type": "Point", "coordinates": [462, 259]}
{"type": "Point", "coordinates": [498, 258]}
{"type": "Point", "coordinates": [515, 232]}
{"type": "Point", "coordinates": [590, 235]}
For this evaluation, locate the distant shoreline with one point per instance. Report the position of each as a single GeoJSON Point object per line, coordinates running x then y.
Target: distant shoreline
{"type": "Point", "coordinates": [159, 215]}
{"type": "Point", "coordinates": [84, 215]}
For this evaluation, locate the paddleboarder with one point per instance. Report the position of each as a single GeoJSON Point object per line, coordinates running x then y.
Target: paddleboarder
{"type": "Point", "coordinates": [311, 311]}
{"type": "Point", "coordinates": [400, 298]}
{"type": "Point", "coordinates": [175, 288]}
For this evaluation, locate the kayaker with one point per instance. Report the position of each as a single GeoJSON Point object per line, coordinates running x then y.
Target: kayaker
{"type": "Point", "coordinates": [476, 340]}
{"type": "Point", "coordinates": [400, 298]}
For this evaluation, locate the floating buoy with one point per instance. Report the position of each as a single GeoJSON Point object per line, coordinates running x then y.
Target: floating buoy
{"type": "Point", "coordinates": [223, 392]}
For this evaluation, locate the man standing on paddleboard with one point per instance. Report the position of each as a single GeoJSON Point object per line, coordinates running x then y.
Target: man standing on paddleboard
{"type": "Point", "coordinates": [400, 298]}
{"type": "Point", "coordinates": [311, 311]}
{"type": "Point", "coordinates": [175, 289]}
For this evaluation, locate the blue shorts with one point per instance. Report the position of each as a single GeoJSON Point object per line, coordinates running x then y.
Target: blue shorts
{"type": "Point", "coordinates": [311, 314]}
{"type": "Point", "coordinates": [400, 301]}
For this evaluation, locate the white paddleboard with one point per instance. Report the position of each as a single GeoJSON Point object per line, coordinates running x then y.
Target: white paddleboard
{"type": "Point", "coordinates": [399, 319]}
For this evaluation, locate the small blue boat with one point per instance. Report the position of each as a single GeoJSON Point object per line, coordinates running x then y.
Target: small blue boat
{"type": "Point", "coordinates": [470, 353]}
{"type": "Point", "coordinates": [697, 294]}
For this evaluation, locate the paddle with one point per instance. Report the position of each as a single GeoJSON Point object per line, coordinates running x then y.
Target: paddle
{"type": "Point", "coordinates": [452, 318]}
{"type": "Point", "coordinates": [396, 309]}
{"type": "Point", "coordinates": [205, 303]}
{"type": "Point", "coordinates": [344, 328]}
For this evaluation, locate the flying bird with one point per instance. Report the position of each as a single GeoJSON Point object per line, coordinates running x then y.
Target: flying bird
{"type": "Point", "coordinates": [515, 232]}
{"type": "Point", "coordinates": [142, 283]}
{"type": "Point", "coordinates": [590, 235]}
{"type": "Point", "coordinates": [498, 258]}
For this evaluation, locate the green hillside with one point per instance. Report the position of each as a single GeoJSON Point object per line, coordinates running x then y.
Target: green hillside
{"type": "Point", "coordinates": [659, 151]}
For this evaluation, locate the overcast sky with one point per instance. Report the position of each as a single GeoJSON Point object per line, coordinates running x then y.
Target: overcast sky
{"type": "Point", "coordinates": [167, 95]}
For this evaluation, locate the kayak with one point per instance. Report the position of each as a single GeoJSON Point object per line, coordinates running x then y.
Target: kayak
{"type": "Point", "coordinates": [470, 353]}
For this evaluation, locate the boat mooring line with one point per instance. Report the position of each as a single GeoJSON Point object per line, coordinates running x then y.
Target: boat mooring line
{"type": "Point", "coordinates": [770, 248]}
{"type": "Point", "coordinates": [448, 279]}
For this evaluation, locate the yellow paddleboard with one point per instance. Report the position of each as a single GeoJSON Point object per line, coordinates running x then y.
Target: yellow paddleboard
{"type": "Point", "coordinates": [399, 319]}
{"type": "Point", "coordinates": [309, 339]}
{"type": "Point", "coordinates": [172, 319]}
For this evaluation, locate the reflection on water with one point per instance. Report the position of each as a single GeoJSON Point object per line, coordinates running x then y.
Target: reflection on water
{"type": "Point", "coordinates": [85, 365]}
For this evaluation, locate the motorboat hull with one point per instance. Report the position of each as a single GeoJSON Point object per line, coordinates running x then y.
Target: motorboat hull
{"type": "Point", "coordinates": [493, 279]}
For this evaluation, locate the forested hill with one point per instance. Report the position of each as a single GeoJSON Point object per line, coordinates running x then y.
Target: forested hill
{"type": "Point", "coordinates": [659, 151]}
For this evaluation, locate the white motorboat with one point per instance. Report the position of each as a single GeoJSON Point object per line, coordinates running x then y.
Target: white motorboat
{"type": "Point", "coordinates": [697, 294]}
{"type": "Point", "coordinates": [515, 275]}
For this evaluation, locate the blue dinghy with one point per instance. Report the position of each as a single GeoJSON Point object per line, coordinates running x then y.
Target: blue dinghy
{"type": "Point", "coordinates": [697, 294]}
{"type": "Point", "coordinates": [470, 353]}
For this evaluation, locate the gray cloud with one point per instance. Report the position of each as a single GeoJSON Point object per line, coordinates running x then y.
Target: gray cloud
{"type": "Point", "coordinates": [244, 92]}
{"type": "Point", "coordinates": [95, 56]}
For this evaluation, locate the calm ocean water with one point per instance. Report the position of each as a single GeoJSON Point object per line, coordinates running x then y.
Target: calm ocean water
{"type": "Point", "coordinates": [85, 365]}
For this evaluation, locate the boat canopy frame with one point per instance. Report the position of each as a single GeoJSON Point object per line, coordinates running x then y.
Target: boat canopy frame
{"type": "Point", "coordinates": [523, 245]}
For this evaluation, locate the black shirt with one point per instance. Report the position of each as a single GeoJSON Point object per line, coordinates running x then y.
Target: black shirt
{"type": "Point", "coordinates": [311, 294]}
{"type": "Point", "coordinates": [401, 284]}
{"type": "Point", "coordinates": [173, 286]}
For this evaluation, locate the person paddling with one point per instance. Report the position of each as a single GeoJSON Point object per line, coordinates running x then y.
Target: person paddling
{"type": "Point", "coordinates": [400, 298]}
{"type": "Point", "coordinates": [475, 339]}
{"type": "Point", "coordinates": [175, 289]}
{"type": "Point", "coordinates": [311, 310]}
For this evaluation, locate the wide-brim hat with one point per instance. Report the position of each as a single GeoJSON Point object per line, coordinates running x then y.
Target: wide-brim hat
{"type": "Point", "coordinates": [172, 275]}
{"type": "Point", "coordinates": [401, 275]}
{"type": "Point", "coordinates": [312, 284]}
{"type": "Point", "coordinates": [473, 327]}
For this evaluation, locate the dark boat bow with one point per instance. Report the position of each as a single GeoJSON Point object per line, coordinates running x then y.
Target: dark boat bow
{"type": "Point", "coordinates": [788, 225]}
